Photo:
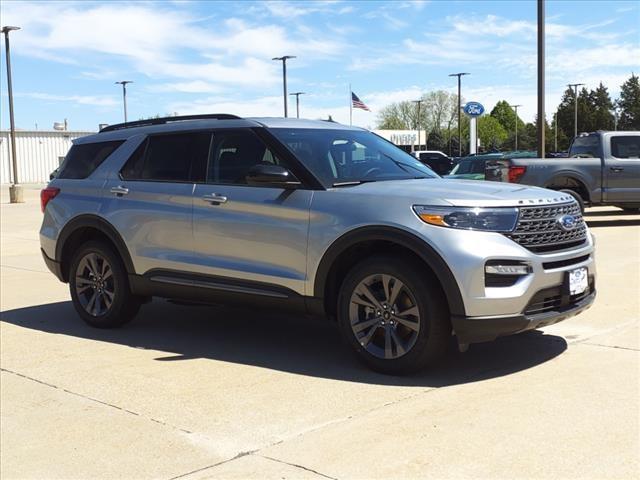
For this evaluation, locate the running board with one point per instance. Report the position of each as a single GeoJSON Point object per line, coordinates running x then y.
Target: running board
{"type": "Point", "coordinates": [225, 287]}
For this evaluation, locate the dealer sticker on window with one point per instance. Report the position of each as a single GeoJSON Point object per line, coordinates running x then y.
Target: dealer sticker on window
{"type": "Point", "coordinates": [578, 281]}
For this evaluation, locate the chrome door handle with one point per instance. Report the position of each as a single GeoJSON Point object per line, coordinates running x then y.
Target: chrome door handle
{"type": "Point", "coordinates": [119, 190]}
{"type": "Point", "coordinates": [215, 198]}
{"type": "Point", "coordinates": [616, 169]}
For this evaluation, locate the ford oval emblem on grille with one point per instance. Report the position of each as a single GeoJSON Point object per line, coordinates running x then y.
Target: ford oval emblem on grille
{"type": "Point", "coordinates": [567, 222]}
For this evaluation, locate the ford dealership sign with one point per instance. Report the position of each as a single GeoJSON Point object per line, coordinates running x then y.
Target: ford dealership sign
{"type": "Point", "coordinates": [473, 109]}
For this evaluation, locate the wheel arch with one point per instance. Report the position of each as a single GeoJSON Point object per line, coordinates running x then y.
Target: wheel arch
{"type": "Point", "coordinates": [326, 285]}
{"type": "Point", "coordinates": [89, 227]}
{"type": "Point", "coordinates": [570, 181]}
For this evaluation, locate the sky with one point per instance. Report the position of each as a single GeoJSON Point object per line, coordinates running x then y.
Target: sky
{"type": "Point", "coordinates": [190, 57]}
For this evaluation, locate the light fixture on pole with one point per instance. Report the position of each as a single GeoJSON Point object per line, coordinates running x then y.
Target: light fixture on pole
{"type": "Point", "coordinates": [15, 190]}
{"type": "Point", "coordinates": [515, 107]}
{"type": "Point", "coordinates": [284, 79]}
{"type": "Point", "coordinates": [459, 75]}
{"type": "Point", "coordinates": [575, 106]}
{"type": "Point", "coordinates": [418, 103]}
{"type": "Point", "coordinates": [297, 95]}
{"type": "Point", "coordinates": [124, 96]}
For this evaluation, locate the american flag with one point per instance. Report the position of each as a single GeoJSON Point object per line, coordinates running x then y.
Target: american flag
{"type": "Point", "coordinates": [357, 103]}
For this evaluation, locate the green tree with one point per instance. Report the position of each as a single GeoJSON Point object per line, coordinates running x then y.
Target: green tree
{"type": "Point", "coordinates": [629, 104]}
{"type": "Point", "coordinates": [491, 132]}
{"type": "Point", "coordinates": [602, 116]}
{"type": "Point", "coordinates": [506, 115]}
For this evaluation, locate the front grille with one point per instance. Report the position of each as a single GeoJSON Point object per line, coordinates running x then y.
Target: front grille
{"type": "Point", "coordinates": [552, 299]}
{"type": "Point", "coordinates": [538, 229]}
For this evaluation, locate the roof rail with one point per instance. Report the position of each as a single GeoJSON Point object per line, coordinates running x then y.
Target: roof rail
{"type": "Point", "coordinates": [163, 120]}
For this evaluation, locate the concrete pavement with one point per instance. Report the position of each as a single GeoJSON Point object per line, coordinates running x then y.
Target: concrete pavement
{"type": "Point", "coordinates": [211, 392]}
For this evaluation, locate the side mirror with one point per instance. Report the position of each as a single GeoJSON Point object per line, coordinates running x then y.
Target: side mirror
{"type": "Point", "coordinates": [267, 175]}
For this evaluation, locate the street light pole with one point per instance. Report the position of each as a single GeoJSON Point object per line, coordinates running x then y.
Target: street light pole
{"type": "Point", "coordinates": [418, 103]}
{"type": "Point", "coordinates": [555, 135]}
{"type": "Point", "coordinates": [459, 108]}
{"type": "Point", "coordinates": [575, 107]}
{"type": "Point", "coordinates": [15, 190]}
{"type": "Point", "coordinates": [297, 95]}
{"type": "Point", "coordinates": [515, 107]}
{"type": "Point", "coordinates": [541, 78]}
{"type": "Point", "coordinates": [284, 79]}
{"type": "Point", "coordinates": [124, 96]}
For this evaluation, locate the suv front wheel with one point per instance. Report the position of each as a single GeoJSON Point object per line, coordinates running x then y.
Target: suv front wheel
{"type": "Point", "coordinates": [100, 288]}
{"type": "Point", "coordinates": [393, 315]}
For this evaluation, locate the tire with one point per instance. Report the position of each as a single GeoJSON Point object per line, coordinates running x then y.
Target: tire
{"type": "Point", "coordinates": [383, 341]}
{"type": "Point", "coordinates": [575, 195]}
{"type": "Point", "coordinates": [101, 301]}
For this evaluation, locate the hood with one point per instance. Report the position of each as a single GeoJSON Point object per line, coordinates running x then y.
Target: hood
{"type": "Point", "coordinates": [461, 193]}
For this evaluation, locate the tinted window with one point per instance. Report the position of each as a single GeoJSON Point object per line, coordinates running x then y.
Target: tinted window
{"type": "Point", "coordinates": [234, 155]}
{"type": "Point", "coordinates": [587, 146]}
{"type": "Point", "coordinates": [83, 159]}
{"type": "Point", "coordinates": [337, 156]}
{"type": "Point", "coordinates": [170, 158]}
{"type": "Point", "coordinates": [625, 147]}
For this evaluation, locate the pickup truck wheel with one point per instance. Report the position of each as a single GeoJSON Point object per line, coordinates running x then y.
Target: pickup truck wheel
{"type": "Point", "coordinates": [575, 195]}
{"type": "Point", "coordinates": [99, 287]}
{"type": "Point", "coordinates": [392, 315]}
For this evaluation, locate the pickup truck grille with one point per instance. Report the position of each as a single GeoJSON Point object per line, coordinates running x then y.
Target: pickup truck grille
{"type": "Point", "coordinates": [538, 229]}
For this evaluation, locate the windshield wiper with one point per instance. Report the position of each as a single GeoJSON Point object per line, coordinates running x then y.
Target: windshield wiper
{"type": "Point", "coordinates": [351, 183]}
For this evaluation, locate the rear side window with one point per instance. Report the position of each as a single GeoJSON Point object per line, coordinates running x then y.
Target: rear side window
{"type": "Point", "coordinates": [625, 147]}
{"type": "Point", "coordinates": [83, 159]}
{"type": "Point", "coordinates": [170, 158]}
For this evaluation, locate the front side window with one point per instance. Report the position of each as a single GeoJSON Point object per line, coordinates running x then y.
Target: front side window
{"type": "Point", "coordinates": [83, 159]}
{"type": "Point", "coordinates": [626, 146]}
{"type": "Point", "coordinates": [169, 158]}
{"type": "Point", "coordinates": [350, 156]}
{"type": "Point", "coordinates": [234, 154]}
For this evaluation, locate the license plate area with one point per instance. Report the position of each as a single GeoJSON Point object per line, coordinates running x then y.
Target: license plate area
{"type": "Point", "coordinates": [577, 281]}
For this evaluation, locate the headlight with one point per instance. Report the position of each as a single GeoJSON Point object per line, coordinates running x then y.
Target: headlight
{"type": "Point", "coordinates": [487, 219]}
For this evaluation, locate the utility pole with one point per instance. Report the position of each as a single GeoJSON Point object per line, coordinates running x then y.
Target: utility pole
{"type": "Point", "coordinates": [541, 76]}
{"type": "Point", "coordinates": [418, 103]}
{"type": "Point", "coordinates": [459, 108]}
{"type": "Point", "coordinates": [284, 79]}
{"type": "Point", "coordinates": [15, 190]}
{"type": "Point", "coordinates": [297, 95]}
{"type": "Point", "coordinates": [555, 135]}
{"type": "Point", "coordinates": [124, 96]}
{"type": "Point", "coordinates": [515, 107]}
{"type": "Point", "coordinates": [575, 106]}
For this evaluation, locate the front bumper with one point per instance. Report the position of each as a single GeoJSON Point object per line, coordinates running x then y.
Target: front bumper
{"type": "Point", "coordinates": [484, 329]}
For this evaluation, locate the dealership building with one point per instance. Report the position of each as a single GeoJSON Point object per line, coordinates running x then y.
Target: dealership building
{"type": "Point", "coordinates": [40, 152]}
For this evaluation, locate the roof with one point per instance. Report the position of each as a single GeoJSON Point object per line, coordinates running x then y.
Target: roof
{"type": "Point", "coordinates": [205, 122]}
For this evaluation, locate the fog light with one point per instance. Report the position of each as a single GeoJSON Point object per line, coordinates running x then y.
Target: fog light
{"type": "Point", "coordinates": [508, 269]}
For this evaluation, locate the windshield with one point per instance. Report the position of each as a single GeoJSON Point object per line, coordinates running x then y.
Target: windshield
{"type": "Point", "coordinates": [468, 167]}
{"type": "Point", "coordinates": [350, 156]}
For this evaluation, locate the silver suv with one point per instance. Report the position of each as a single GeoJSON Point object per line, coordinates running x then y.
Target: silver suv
{"type": "Point", "coordinates": [316, 217]}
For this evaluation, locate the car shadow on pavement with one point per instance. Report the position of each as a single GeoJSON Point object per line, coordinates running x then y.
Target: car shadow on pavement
{"type": "Point", "coordinates": [289, 343]}
{"type": "Point", "coordinates": [625, 222]}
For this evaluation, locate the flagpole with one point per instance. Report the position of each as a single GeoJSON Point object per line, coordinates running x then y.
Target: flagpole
{"type": "Point", "coordinates": [350, 106]}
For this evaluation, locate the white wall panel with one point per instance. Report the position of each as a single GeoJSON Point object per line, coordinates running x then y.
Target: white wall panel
{"type": "Point", "coordinates": [37, 153]}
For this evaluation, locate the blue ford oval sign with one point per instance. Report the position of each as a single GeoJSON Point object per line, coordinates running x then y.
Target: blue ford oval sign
{"type": "Point", "coordinates": [473, 109]}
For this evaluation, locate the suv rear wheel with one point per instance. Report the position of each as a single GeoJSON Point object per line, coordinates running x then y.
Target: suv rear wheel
{"type": "Point", "coordinates": [393, 315]}
{"type": "Point", "coordinates": [100, 288]}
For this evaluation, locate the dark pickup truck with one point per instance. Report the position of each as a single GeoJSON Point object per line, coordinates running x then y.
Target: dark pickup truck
{"type": "Point", "coordinates": [603, 168]}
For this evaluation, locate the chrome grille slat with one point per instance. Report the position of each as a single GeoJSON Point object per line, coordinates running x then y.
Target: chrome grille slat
{"type": "Point", "coordinates": [538, 230]}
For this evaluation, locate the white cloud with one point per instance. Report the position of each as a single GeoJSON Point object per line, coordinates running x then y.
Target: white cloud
{"type": "Point", "coordinates": [93, 100]}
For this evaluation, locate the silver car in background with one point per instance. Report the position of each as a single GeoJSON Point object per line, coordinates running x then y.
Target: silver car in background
{"type": "Point", "coordinates": [316, 217]}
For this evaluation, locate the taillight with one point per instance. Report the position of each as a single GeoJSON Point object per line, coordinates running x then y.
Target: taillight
{"type": "Point", "coordinates": [47, 194]}
{"type": "Point", "coordinates": [515, 173]}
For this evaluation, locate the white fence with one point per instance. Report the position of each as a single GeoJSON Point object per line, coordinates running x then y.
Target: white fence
{"type": "Point", "coordinates": [38, 153]}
